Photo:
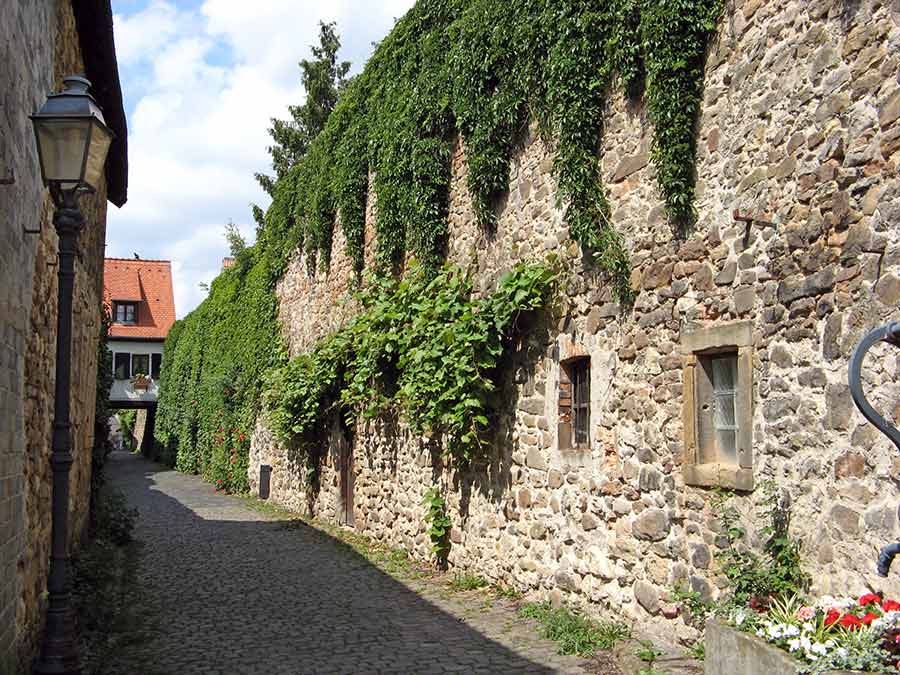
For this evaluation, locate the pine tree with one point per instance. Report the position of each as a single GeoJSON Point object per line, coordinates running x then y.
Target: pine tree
{"type": "Point", "coordinates": [323, 79]}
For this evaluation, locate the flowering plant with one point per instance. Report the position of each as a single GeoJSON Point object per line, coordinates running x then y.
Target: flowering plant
{"type": "Point", "coordinates": [830, 634]}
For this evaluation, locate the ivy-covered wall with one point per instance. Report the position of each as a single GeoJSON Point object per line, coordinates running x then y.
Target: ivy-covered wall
{"type": "Point", "coordinates": [482, 70]}
{"type": "Point", "coordinates": [798, 130]}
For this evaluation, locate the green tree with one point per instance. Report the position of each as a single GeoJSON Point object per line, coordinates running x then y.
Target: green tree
{"type": "Point", "coordinates": [236, 242]}
{"type": "Point", "coordinates": [323, 79]}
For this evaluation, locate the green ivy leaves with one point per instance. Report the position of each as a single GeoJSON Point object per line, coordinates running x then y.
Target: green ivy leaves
{"type": "Point", "coordinates": [421, 345]}
{"type": "Point", "coordinates": [483, 67]}
{"type": "Point", "coordinates": [674, 34]}
{"type": "Point", "coordinates": [438, 524]}
{"type": "Point", "coordinates": [212, 374]}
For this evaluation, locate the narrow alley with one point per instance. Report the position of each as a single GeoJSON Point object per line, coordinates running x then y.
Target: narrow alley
{"type": "Point", "coordinates": [230, 590]}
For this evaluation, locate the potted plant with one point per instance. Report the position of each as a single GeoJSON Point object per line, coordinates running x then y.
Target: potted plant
{"type": "Point", "coordinates": [140, 382]}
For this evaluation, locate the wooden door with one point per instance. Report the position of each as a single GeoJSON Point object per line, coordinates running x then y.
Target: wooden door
{"type": "Point", "coordinates": [347, 478]}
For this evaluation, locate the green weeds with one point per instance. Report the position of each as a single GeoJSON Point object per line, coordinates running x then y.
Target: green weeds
{"type": "Point", "coordinates": [574, 633]}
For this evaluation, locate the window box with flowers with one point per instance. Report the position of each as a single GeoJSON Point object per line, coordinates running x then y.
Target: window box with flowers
{"type": "Point", "coordinates": [141, 382]}
{"type": "Point", "coordinates": [833, 636]}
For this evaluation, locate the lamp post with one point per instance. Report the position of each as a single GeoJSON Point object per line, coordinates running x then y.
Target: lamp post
{"type": "Point", "coordinates": [72, 141]}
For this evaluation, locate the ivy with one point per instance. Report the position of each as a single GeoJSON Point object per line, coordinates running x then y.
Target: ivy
{"type": "Point", "coordinates": [438, 524]}
{"type": "Point", "coordinates": [213, 370]}
{"type": "Point", "coordinates": [484, 68]}
{"type": "Point", "coordinates": [421, 345]}
{"type": "Point", "coordinates": [675, 34]}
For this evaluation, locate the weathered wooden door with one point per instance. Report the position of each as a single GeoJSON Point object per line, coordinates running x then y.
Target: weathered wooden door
{"type": "Point", "coordinates": [347, 478]}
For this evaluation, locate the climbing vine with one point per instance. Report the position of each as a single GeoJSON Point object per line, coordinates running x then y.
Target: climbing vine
{"type": "Point", "coordinates": [484, 68]}
{"type": "Point", "coordinates": [212, 374]}
{"type": "Point", "coordinates": [438, 525]}
{"type": "Point", "coordinates": [422, 345]}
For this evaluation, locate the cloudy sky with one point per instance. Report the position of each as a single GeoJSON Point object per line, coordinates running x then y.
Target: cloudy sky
{"type": "Point", "coordinates": [201, 81]}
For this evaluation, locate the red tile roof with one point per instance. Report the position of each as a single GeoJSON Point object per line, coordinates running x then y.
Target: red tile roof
{"type": "Point", "coordinates": [146, 282]}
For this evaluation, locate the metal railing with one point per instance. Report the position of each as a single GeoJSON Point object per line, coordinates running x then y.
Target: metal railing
{"type": "Point", "coordinates": [889, 333]}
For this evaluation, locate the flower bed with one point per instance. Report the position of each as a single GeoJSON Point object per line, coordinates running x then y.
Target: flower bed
{"type": "Point", "coordinates": [834, 634]}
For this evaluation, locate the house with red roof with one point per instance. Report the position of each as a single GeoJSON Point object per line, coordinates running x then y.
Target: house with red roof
{"type": "Point", "coordinates": [142, 307]}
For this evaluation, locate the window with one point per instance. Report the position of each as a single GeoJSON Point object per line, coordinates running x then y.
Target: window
{"type": "Point", "coordinates": [717, 422]}
{"type": "Point", "coordinates": [575, 403]}
{"type": "Point", "coordinates": [126, 312]}
{"type": "Point", "coordinates": [155, 365]}
{"type": "Point", "coordinates": [122, 362]}
{"type": "Point", "coordinates": [718, 400]}
{"type": "Point", "coordinates": [140, 363]}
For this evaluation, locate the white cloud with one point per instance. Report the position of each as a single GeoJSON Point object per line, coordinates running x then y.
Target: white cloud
{"type": "Point", "coordinates": [202, 85]}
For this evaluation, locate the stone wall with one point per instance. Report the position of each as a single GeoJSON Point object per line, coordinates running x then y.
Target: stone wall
{"type": "Point", "coordinates": [26, 71]}
{"type": "Point", "coordinates": [799, 131]}
{"type": "Point", "coordinates": [41, 48]}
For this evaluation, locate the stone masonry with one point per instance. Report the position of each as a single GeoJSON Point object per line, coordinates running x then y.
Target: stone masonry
{"type": "Point", "coordinates": [42, 46]}
{"type": "Point", "coordinates": [799, 133]}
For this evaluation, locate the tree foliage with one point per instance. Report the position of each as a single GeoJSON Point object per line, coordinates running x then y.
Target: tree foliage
{"type": "Point", "coordinates": [323, 78]}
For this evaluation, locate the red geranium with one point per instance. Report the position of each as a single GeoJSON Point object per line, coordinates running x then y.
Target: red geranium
{"type": "Point", "coordinates": [832, 616]}
{"type": "Point", "coordinates": [869, 618]}
{"type": "Point", "coordinates": [890, 606]}
{"type": "Point", "coordinates": [869, 599]}
{"type": "Point", "coordinates": [850, 621]}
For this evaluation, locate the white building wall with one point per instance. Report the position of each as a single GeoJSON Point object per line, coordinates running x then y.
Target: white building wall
{"type": "Point", "coordinates": [122, 390]}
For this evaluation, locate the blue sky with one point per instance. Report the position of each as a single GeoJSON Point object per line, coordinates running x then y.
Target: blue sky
{"type": "Point", "coordinates": [201, 80]}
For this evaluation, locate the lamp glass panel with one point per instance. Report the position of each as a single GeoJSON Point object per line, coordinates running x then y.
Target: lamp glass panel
{"type": "Point", "coordinates": [100, 140]}
{"type": "Point", "coordinates": [62, 145]}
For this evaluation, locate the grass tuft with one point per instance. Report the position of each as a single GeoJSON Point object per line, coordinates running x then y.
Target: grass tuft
{"type": "Point", "coordinates": [467, 582]}
{"type": "Point", "coordinates": [574, 633]}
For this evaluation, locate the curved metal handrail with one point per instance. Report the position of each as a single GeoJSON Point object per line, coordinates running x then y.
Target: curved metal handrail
{"type": "Point", "coordinates": [889, 333]}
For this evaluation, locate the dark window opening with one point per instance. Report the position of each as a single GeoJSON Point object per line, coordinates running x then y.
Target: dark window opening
{"type": "Point", "coordinates": [155, 365]}
{"type": "Point", "coordinates": [126, 312]}
{"type": "Point", "coordinates": [123, 365]}
{"type": "Point", "coordinates": [580, 374]}
{"type": "Point", "coordinates": [140, 364]}
{"type": "Point", "coordinates": [575, 403]}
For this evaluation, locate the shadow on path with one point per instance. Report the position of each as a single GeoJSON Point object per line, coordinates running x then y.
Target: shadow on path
{"type": "Point", "coordinates": [228, 590]}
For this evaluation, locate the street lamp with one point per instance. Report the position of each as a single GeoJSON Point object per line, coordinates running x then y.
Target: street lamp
{"type": "Point", "coordinates": [72, 140]}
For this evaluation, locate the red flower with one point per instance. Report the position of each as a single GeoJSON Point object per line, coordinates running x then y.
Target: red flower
{"type": "Point", "coordinates": [869, 599]}
{"type": "Point", "coordinates": [869, 618]}
{"type": "Point", "coordinates": [850, 621]}
{"type": "Point", "coordinates": [890, 606]}
{"type": "Point", "coordinates": [832, 616]}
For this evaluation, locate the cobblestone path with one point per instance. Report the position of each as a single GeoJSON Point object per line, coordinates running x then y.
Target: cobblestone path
{"type": "Point", "coordinates": [225, 589]}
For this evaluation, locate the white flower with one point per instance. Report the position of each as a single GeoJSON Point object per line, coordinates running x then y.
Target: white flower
{"type": "Point", "coordinates": [841, 652]}
{"type": "Point", "coordinates": [790, 631]}
{"type": "Point", "coordinates": [808, 627]}
{"type": "Point", "coordinates": [793, 645]}
{"type": "Point", "coordinates": [819, 648]}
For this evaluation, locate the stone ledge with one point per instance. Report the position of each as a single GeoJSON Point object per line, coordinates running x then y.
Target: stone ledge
{"type": "Point", "coordinates": [729, 651]}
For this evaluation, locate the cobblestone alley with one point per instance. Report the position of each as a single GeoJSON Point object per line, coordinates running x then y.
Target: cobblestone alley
{"type": "Point", "coordinates": [230, 590]}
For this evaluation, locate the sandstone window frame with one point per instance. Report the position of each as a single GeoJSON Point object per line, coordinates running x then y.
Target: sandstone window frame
{"type": "Point", "coordinates": [574, 403]}
{"type": "Point", "coordinates": [704, 464]}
